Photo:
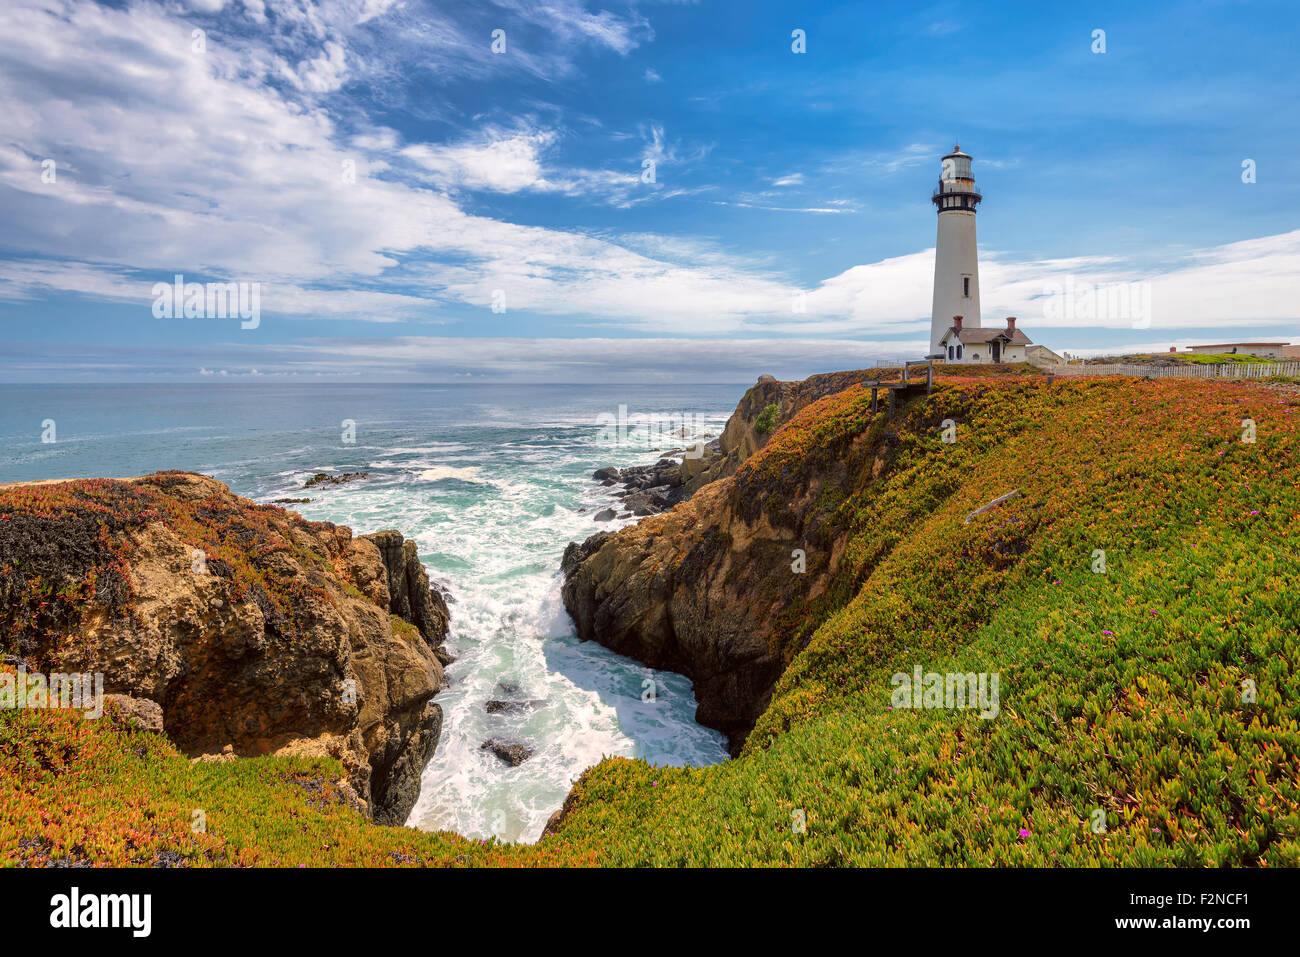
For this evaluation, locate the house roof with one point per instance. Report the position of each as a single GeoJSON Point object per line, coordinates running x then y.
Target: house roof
{"type": "Point", "coordinates": [971, 337]}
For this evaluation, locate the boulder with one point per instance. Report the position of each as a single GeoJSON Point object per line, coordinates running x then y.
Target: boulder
{"type": "Point", "coordinates": [513, 753]}
{"type": "Point", "coordinates": [135, 712]}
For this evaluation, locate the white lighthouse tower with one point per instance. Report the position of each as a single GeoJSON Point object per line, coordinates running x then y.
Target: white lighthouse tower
{"type": "Point", "coordinates": [956, 263]}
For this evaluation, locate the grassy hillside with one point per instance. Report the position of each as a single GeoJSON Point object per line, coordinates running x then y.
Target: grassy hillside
{"type": "Point", "coordinates": [1120, 692]}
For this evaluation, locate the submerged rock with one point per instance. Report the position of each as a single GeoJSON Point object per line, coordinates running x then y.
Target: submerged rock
{"type": "Point", "coordinates": [513, 753]}
{"type": "Point", "coordinates": [499, 706]}
{"type": "Point", "coordinates": [325, 478]}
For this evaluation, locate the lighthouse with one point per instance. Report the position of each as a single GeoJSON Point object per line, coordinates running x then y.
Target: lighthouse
{"type": "Point", "coordinates": [956, 263]}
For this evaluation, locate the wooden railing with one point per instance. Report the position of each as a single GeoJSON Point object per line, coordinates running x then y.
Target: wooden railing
{"type": "Point", "coordinates": [1225, 370]}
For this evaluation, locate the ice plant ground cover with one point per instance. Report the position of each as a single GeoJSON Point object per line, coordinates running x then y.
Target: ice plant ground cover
{"type": "Point", "coordinates": [1161, 693]}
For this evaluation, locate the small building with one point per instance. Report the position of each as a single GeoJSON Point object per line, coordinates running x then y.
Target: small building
{"type": "Point", "coordinates": [1265, 350]}
{"type": "Point", "coordinates": [970, 346]}
{"type": "Point", "coordinates": [1042, 357]}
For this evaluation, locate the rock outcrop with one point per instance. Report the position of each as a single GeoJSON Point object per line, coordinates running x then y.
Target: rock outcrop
{"type": "Point", "coordinates": [709, 588]}
{"type": "Point", "coordinates": [241, 628]}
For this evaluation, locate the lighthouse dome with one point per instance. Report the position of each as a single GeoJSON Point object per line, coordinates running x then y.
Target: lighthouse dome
{"type": "Point", "coordinates": [956, 165]}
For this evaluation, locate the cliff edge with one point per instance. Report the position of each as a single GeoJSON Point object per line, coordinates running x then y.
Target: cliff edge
{"type": "Point", "coordinates": [713, 588]}
{"type": "Point", "coordinates": [238, 629]}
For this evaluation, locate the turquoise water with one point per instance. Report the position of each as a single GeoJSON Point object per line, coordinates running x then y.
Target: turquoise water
{"type": "Point", "coordinates": [491, 482]}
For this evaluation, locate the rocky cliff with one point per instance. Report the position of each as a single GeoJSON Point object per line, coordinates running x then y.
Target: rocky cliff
{"type": "Point", "coordinates": [719, 587]}
{"type": "Point", "coordinates": [238, 629]}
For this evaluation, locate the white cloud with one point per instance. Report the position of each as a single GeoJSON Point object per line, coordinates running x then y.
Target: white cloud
{"type": "Point", "coordinates": [413, 358]}
{"type": "Point", "coordinates": [323, 74]}
{"type": "Point", "coordinates": [571, 21]}
{"type": "Point", "coordinates": [1254, 282]}
{"type": "Point", "coordinates": [212, 164]}
{"type": "Point", "coordinates": [504, 162]}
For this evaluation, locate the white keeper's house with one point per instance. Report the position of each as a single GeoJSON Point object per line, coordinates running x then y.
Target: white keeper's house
{"type": "Point", "coordinates": [962, 345]}
{"type": "Point", "coordinates": [956, 332]}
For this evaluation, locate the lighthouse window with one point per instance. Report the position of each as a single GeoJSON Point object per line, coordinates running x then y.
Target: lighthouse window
{"type": "Point", "coordinates": [965, 286]}
{"type": "Point", "coordinates": [959, 352]}
{"type": "Point", "coordinates": [950, 352]}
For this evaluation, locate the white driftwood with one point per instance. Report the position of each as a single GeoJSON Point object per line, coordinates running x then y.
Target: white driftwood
{"type": "Point", "coordinates": [993, 504]}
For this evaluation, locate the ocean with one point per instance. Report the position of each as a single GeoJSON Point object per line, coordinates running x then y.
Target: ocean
{"type": "Point", "coordinates": [492, 482]}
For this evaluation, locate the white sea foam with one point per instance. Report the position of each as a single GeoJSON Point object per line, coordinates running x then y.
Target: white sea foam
{"type": "Point", "coordinates": [440, 472]}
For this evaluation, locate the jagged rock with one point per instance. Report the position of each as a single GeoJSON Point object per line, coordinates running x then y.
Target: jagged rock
{"type": "Point", "coordinates": [605, 474]}
{"type": "Point", "coordinates": [325, 478]}
{"type": "Point", "coordinates": [411, 597]}
{"type": "Point", "coordinates": [297, 651]}
{"type": "Point", "coordinates": [574, 555]}
{"type": "Point", "coordinates": [604, 515]}
{"type": "Point", "coordinates": [513, 753]}
{"type": "Point", "coordinates": [397, 769]}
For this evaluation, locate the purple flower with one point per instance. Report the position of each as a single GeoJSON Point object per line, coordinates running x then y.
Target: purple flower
{"type": "Point", "coordinates": [1023, 832]}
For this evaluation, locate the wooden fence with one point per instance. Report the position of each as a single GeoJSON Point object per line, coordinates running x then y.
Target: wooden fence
{"type": "Point", "coordinates": [1226, 370]}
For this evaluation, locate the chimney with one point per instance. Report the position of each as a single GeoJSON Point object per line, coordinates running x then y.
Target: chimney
{"type": "Point", "coordinates": [956, 323]}
{"type": "Point", "coordinates": [1011, 324]}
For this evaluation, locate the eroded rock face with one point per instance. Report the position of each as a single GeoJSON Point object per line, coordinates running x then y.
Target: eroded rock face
{"type": "Point", "coordinates": [410, 595]}
{"type": "Point", "coordinates": [700, 589]}
{"type": "Point", "coordinates": [285, 637]}
{"type": "Point", "coordinates": [671, 592]}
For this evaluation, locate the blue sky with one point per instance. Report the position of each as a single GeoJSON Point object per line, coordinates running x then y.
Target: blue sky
{"type": "Point", "coordinates": [780, 178]}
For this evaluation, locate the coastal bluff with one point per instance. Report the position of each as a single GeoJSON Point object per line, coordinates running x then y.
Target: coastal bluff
{"type": "Point", "coordinates": [237, 629]}
{"type": "Point", "coordinates": [697, 589]}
